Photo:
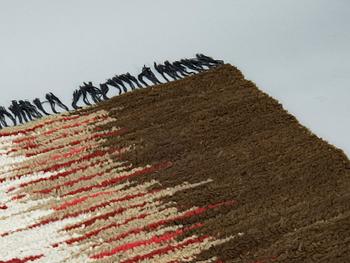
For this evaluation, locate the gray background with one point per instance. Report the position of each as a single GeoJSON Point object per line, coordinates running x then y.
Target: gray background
{"type": "Point", "coordinates": [295, 50]}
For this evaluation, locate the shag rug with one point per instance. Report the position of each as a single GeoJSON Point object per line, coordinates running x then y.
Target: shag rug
{"type": "Point", "coordinates": [202, 168]}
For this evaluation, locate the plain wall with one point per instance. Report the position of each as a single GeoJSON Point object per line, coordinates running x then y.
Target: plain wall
{"type": "Point", "coordinates": [295, 50]}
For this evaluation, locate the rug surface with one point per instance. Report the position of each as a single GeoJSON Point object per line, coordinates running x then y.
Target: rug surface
{"type": "Point", "coordinates": [203, 169]}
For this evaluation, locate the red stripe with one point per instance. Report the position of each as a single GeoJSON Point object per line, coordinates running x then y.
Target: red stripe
{"type": "Point", "coordinates": [94, 119]}
{"type": "Point", "coordinates": [94, 208]}
{"type": "Point", "coordinates": [70, 153]}
{"type": "Point", "coordinates": [82, 199]}
{"type": "Point", "coordinates": [23, 147]}
{"type": "Point", "coordinates": [17, 197]}
{"type": "Point", "coordinates": [115, 180]}
{"type": "Point", "coordinates": [73, 152]}
{"type": "Point", "coordinates": [75, 214]}
{"type": "Point", "coordinates": [84, 158]}
{"type": "Point", "coordinates": [24, 139]}
{"type": "Point", "coordinates": [155, 239]}
{"type": "Point", "coordinates": [102, 217]}
{"type": "Point", "coordinates": [95, 136]}
{"type": "Point", "coordinates": [32, 138]}
{"type": "Point", "coordinates": [75, 181]}
{"type": "Point", "coordinates": [30, 154]}
{"type": "Point", "coordinates": [97, 231]}
{"type": "Point", "coordinates": [17, 260]}
{"type": "Point", "coordinates": [77, 201]}
{"type": "Point", "coordinates": [63, 165]}
{"type": "Point", "coordinates": [167, 249]}
{"type": "Point", "coordinates": [66, 205]}
{"type": "Point", "coordinates": [4, 134]}
{"type": "Point", "coordinates": [155, 225]}
{"type": "Point", "coordinates": [60, 175]}
{"type": "Point", "coordinates": [52, 138]}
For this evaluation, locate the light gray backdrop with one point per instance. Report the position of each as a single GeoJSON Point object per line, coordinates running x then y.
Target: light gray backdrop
{"type": "Point", "coordinates": [296, 50]}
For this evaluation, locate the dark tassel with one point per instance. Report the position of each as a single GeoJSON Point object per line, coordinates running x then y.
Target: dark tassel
{"type": "Point", "coordinates": [8, 115]}
{"type": "Point", "coordinates": [76, 97]}
{"type": "Point", "coordinates": [84, 94]}
{"type": "Point", "coordinates": [199, 64]}
{"type": "Point", "coordinates": [169, 69]}
{"type": "Point", "coordinates": [24, 111]}
{"type": "Point", "coordinates": [112, 83]}
{"type": "Point", "coordinates": [37, 102]}
{"type": "Point", "coordinates": [2, 118]}
{"type": "Point", "coordinates": [4, 113]}
{"type": "Point", "coordinates": [182, 69]}
{"type": "Point", "coordinates": [140, 78]}
{"type": "Point", "coordinates": [117, 80]}
{"type": "Point", "coordinates": [53, 100]}
{"type": "Point", "coordinates": [16, 111]}
{"type": "Point", "coordinates": [126, 79]}
{"type": "Point", "coordinates": [29, 110]}
{"type": "Point", "coordinates": [209, 60]}
{"type": "Point", "coordinates": [104, 90]}
{"type": "Point", "coordinates": [33, 109]}
{"type": "Point", "coordinates": [94, 92]}
{"type": "Point", "coordinates": [187, 64]}
{"type": "Point", "coordinates": [161, 69]}
{"type": "Point", "coordinates": [148, 74]}
{"type": "Point", "coordinates": [133, 79]}
{"type": "Point", "coordinates": [172, 70]}
{"type": "Point", "coordinates": [191, 64]}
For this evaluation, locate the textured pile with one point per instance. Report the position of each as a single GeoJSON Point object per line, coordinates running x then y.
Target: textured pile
{"type": "Point", "coordinates": [202, 169]}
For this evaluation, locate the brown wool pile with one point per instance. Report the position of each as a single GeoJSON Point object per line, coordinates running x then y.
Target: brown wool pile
{"type": "Point", "coordinates": [207, 168]}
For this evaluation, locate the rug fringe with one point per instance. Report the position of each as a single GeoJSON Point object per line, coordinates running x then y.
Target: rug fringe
{"type": "Point", "coordinates": [23, 111]}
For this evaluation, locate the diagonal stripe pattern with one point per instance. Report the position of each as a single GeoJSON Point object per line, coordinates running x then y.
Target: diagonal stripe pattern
{"type": "Point", "coordinates": [65, 198]}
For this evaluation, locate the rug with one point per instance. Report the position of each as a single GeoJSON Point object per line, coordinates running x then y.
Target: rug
{"type": "Point", "coordinates": [191, 163]}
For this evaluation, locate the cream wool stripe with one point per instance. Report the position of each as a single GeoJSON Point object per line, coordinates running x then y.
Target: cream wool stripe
{"type": "Point", "coordinates": [17, 208]}
{"type": "Point", "coordinates": [75, 180]}
{"type": "Point", "coordinates": [146, 221]}
{"type": "Point", "coordinates": [118, 192]}
{"type": "Point", "coordinates": [22, 220]}
{"type": "Point", "coordinates": [162, 193]}
{"type": "Point", "coordinates": [39, 205]}
{"type": "Point", "coordinates": [166, 214]}
{"type": "Point", "coordinates": [45, 163]}
{"type": "Point", "coordinates": [64, 140]}
{"type": "Point", "coordinates": [139, 250]}
{"type": "Point", "coordinates": [149, 198]}
{"type": "Point", "coordinates": [57, 131]}
{"type": "Point", "coordinates": [78, 170]}
{"type": "Point", "coordinates": [61, 140]}
{"type": "Point", "coordinates": [145, 249]}
{"type": "Point", "coordinates": [38, 240]}
{"type": "Point", "coordinates": [15, 183]}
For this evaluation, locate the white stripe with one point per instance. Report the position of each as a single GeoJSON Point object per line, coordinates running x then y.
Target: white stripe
{"type": "Point", "coordinates": [36, 241]}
